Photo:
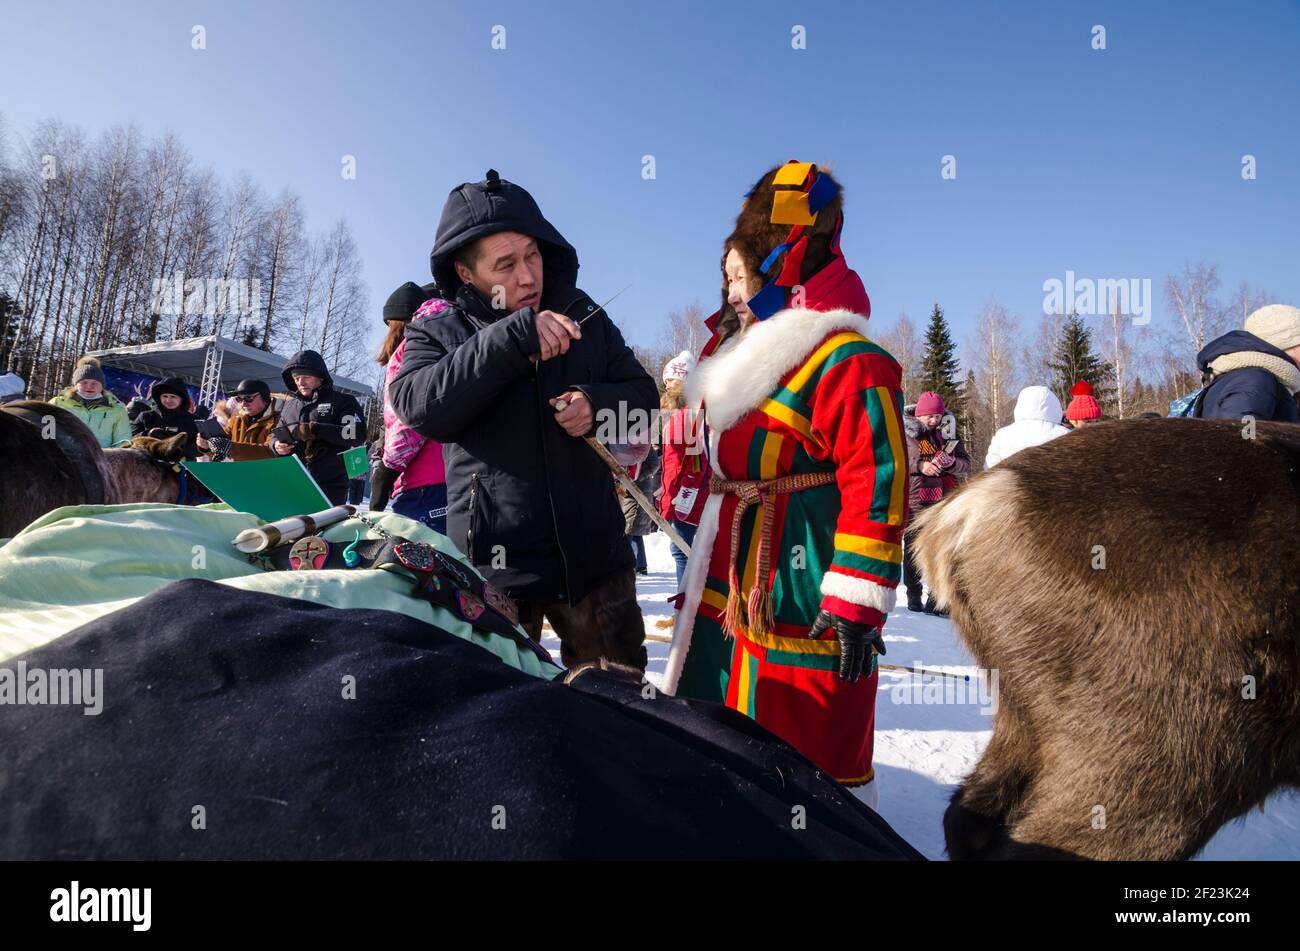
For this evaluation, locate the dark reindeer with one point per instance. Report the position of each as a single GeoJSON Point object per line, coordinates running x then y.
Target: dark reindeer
{"type": "Point", "coordinates": [50, 459]}
{"type": "Point", "coordinates": [1145, 703]}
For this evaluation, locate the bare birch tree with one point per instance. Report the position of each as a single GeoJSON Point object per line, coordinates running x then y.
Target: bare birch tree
{"type": "Point", "coordinates": [994, 361]}
{"type": "Point", "coordinates": [906, 346]}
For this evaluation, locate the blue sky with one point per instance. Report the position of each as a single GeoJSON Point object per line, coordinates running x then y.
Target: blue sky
{"type": "Point", "coordinates": [1117, 163]}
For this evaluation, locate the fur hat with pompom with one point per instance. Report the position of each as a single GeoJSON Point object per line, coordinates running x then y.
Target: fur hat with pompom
{"type": "Point", "coordinates": [87, 368]}
{"type": "Point", "coordinates": [773, 208]}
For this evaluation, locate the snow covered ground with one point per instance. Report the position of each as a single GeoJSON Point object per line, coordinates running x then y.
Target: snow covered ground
{"type": "Point", "coordinates": [923, 750]}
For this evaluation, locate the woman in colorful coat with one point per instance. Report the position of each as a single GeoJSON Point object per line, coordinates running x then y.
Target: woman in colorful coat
{"type": "Point", "coordinates": [799, 550]}
{"type": "Point", "coordinates": [936, 456]}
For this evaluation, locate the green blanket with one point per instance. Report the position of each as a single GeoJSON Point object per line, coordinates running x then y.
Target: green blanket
{"type": "Point", "coordinates": [79, 563]}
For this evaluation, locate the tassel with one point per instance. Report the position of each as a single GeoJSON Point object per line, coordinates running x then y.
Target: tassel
{"type": "Point", "coordinates": [761, 611]}
{"type": "Point", "coordinates": [733, 617]}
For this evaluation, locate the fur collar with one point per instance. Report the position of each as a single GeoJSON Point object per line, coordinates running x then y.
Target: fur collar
{"type": "Point", "coordinates": [1284, 371]}
{"type": "Point", "coordinates": [746, 369]}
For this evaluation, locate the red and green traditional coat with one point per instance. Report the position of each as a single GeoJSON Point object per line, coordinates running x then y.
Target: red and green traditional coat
{"type": "Point", "coordinates": [801, 392]}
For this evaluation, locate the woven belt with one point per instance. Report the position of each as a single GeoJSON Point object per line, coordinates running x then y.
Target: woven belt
{"type": "Point", "coordinates": [757, 613]}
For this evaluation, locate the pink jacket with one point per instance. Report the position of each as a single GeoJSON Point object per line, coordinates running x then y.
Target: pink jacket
{"type": "Point", "coordinates": [686, 469]}
{"type": "Point", "coordinates": [416, 457]}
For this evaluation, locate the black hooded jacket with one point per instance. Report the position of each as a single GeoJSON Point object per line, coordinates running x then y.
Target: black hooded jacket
{"type": "Point", "coordinates": [327, 412]}
{"type": "Point", "coordinates": [533, 507]}
{"type": "Point", "coordinates": [162, 423]}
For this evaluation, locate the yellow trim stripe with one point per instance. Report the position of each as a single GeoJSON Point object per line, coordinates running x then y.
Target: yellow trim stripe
{"type": "Point", "coordinates": [871, 547]}
{"type": "Point", "coordinates": [795, 645]}
{"type": "Point", "coordinates": [820, 355]}
{"type": "Point", "coordinates": [784, 414]}
{"type": "Point", "coordinates": [742, 686]}
{"type": "Point", "coordinates": [771, 455]}
{"type": "Point", "coordinates": [714, 600]}
{"type": "Point", "coordinates": [870, 775]}
{"type": "Point", "coordinates": [897, 491]}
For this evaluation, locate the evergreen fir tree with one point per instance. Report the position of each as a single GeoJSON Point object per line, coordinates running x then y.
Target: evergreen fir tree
{"type": "Point", "coordinates": [939, 368]}
{"type": "Point", "coordinates": [1074, 360]}
{"type": "Point", "coordinates": [973, 428]}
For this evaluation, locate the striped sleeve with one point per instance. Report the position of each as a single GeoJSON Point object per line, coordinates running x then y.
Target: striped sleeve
{"type": "Point", "coordinates": [858, 416]}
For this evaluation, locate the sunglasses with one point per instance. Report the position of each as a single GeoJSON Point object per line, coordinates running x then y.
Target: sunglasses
{"type": "Point", "coordinates": [247, 399]}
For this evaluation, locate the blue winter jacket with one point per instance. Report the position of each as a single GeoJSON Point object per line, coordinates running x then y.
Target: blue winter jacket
{"type": "Point", "coordinates": [1248, 391]}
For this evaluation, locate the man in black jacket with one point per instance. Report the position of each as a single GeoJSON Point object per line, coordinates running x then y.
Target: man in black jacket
{"type": "Point", "coordinates": [528, 501]}
{"type": "Point", "coordinates": [318, 424]}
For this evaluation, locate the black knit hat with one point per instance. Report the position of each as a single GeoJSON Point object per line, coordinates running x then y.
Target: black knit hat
{"type": "Point", "coordinates": [404, 302]}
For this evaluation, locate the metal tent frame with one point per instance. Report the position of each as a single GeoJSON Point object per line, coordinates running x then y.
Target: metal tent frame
{"type": "Point", "coordinates": [214, 364]}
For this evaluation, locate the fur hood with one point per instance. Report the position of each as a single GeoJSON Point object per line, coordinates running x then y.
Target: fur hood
{"type": "Point", "coordinates": [747, 368]}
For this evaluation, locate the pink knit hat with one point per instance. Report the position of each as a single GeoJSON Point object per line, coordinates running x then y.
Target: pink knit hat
{"type": "Point", "coordinates": [929, 403]}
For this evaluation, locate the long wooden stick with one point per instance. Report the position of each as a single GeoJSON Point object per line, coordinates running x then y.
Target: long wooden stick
{"type": "Point", "coordinates": [626, 482]}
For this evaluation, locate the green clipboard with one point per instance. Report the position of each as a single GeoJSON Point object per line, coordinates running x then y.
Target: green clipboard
{"type": "Point", "coordinates": [271, 489]}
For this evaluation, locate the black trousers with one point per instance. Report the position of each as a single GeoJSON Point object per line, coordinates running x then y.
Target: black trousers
{"type": "Point", "coordinates": [911, 573]}
{"type": "Point", "coordinates": [606, 623]}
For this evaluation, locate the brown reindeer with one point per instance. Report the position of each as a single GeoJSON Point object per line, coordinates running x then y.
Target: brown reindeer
{"type": "Point", "coordinates": [52, 459]}
{"type": "Point", "coordinates": [1136, 587]}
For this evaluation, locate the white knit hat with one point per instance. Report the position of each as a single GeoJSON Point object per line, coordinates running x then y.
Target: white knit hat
{"type": "Point", "coordinates": [1277, 324]}
{"type": "Point", "coordinates": [679, 366]}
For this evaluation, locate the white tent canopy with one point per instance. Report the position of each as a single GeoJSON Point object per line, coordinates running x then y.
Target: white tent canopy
{"type": "Point", "coordinates": [213, 364]}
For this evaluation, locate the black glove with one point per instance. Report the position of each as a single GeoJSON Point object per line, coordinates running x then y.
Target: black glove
{"type": "Point", "coordinates": [381, 486]}
{"type": "Point", "coordinates": [855, 639]}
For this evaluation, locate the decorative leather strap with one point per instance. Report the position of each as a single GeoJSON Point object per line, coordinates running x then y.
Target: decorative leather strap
{"type": "Point", "coordinates": [441, 579]}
